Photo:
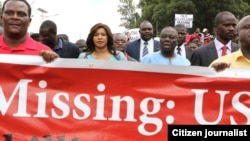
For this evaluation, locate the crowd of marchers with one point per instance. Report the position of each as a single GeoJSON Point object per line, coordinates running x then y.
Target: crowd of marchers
{"type": "Point", "coordinates": [228, 47]}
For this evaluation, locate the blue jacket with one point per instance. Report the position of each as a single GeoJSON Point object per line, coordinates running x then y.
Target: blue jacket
{"type": "Point", "coordinates": [133, 48]}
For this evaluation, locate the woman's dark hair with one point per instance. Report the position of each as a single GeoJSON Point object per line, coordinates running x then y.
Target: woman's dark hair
{"type": "Point", "coordinates": [29, 7]}
{"type": "Point", "coordinates": [93, 30]}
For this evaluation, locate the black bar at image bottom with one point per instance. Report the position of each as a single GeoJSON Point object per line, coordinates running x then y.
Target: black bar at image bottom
{"type": "Point", "coordinates": [208, 132]}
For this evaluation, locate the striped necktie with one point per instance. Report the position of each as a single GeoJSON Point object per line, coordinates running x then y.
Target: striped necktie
{"type": "Point", "coordinates": [145, 49]}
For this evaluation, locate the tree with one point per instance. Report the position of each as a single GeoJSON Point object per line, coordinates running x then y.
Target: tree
{"type": "Point", "coordinates": [129, 15]}
{"type": "Point", "coordinates": [207, 10]}
{"type": "Point", "coordinates": [161, 13]}
{"type": "Point", "coordinates": [1, 4]}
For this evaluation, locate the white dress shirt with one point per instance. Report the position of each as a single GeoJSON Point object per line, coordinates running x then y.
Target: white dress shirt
{"type": "Point", "coordinates": [183, 50]}
{"type": "Point", "coordinates": [219, 46]}
{"type": "Point", "coordinates": [150, 47]}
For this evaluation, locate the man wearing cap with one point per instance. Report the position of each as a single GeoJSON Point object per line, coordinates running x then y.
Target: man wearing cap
{"type": "Point", "coordinates": [207, 36]}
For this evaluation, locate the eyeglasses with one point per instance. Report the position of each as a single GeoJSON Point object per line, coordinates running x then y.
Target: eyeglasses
{"type": "Point", "coordinates": [120, 42]}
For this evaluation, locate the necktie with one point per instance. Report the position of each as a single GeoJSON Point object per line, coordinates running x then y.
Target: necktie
{"type": "Point", "coordinates": [179, 50]}
{"type": "Point", "coordinates": [145, 49]}
{"type": "Point", "coordinates": [224, 50]}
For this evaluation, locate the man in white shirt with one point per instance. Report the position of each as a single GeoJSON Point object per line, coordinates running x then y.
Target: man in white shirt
{"type": "Point", "coordinates": [145, 45]}
{"type": "Point", "coordinates": [181, 49]}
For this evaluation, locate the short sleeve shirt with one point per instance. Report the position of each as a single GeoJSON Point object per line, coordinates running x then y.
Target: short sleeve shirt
{"type": "Point", "coordinates": [28, 47]}
{"type": "Point", "coordinates": [235, 59]}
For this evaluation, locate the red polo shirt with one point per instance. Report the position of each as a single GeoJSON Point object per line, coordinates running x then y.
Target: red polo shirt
{"type": "Point", "coordinates": [28, 47]}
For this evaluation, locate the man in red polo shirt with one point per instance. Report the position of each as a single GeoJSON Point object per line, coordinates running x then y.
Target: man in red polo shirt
{"type": "Point", "coordinates": [15, 40]}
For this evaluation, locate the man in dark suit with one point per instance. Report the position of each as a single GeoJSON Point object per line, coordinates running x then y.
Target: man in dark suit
{"type": "Point", "coordinates": [49, 37]}
{"type": "Point", "coordinates": [239, 59]}
{"type": "Point", "coordinates": [145, 45]}
{"type": "Point", "coordinates": [181, 49]}
{"type": "Point", "coordinates": [224, 28]}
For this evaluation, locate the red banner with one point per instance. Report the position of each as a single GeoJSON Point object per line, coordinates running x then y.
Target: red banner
{"type": "Point", "coordinates": [83, 100]}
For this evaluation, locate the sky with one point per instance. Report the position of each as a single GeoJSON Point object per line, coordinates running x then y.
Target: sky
{"type": "Point", "coordinates": [76, 17]}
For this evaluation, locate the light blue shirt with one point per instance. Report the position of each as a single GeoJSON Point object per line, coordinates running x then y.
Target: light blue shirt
{"type": "Point", "coordinates": [158, 58]}
{"type": "Point", "coordinates": [119, 57]}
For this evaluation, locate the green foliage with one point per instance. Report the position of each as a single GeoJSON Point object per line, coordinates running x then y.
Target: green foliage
{"type": "Point", "coordinates": [1, 24]}
{"type": "Point", "coordinates": [128, 11]}
{"type": "Point", "coordinates": [162, 12]}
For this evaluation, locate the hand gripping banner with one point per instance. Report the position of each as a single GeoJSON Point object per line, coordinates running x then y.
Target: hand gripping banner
{"type": "Point", "coordinates": [83, 100]}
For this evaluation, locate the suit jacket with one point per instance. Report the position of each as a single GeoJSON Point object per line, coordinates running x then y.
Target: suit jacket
{"type": "Point", "coordinates": [68, 50]}
{"type": "Point", "coordinates": [206, 54]}
{"type": "Point", "coordinates": [133, 48]}
{"type": "Point", "coordinates": [189, 53]}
